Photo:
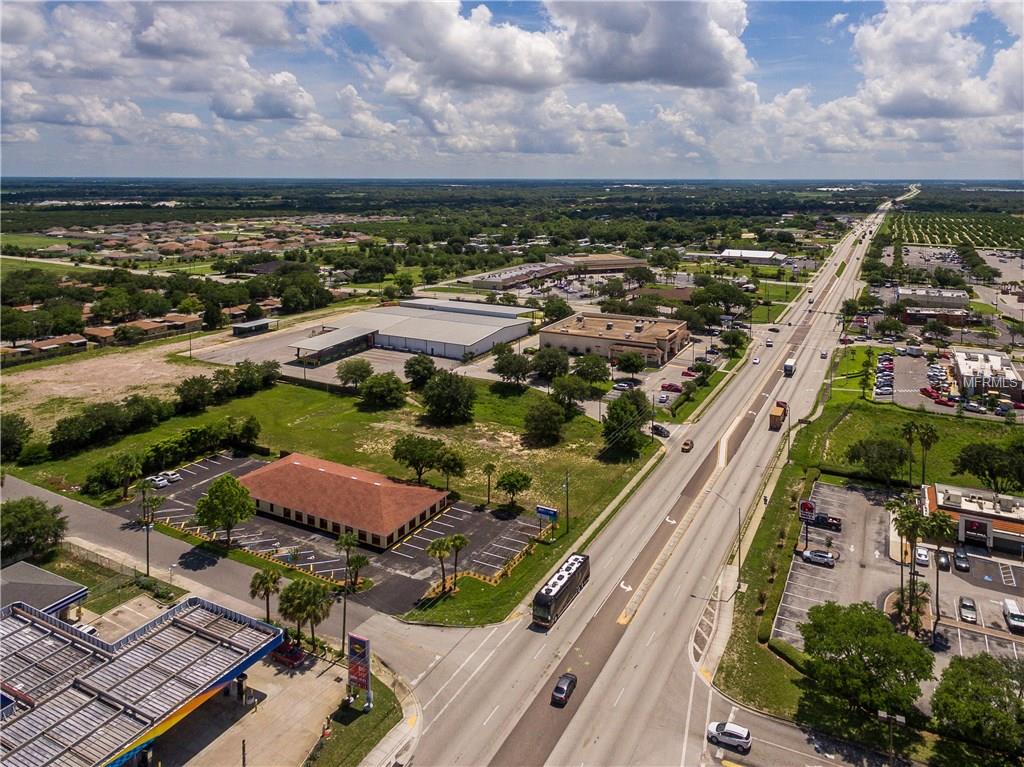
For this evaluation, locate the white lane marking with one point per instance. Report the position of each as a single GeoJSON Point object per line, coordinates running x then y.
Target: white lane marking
{"type": "Point", "coordinates": [539, 651]}
{"type": "Point", "coordinates": [651, 639]}
{"type": "Point", "coordinates": [470, 678]}
{"type": "Point", "coordinates": [809, 599]}
{"type": "Point", "coordinates": [491, 714]}
{"type": "Point", "coordinates": [686, 726]}
{"type": "Point", "coordinates": [443, 524]}
{"type": "Point", "coordinates": [671, 521]}
{"type": "Point", "coordinates": [418, 548]}
{"type": "Point", "coordinates": [624, 587]}
{"type": "Point", "coordinates": [707, 723]}
{"type": "Point", "coordinates": [467, 660]}
{"type": "Point", "coordinates": [489, 554]}
{"type": "Point", "coordinates": [399, 553]}
{"type": "Point", "coordinates": [507, 548]}
{"type": "Point", "coordinates": [187, 471]}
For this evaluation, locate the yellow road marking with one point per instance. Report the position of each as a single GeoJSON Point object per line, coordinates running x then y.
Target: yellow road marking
{"type": "Point", "coordinates": [412, 720]}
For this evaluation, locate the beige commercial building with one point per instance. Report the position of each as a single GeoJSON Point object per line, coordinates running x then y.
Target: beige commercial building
{"type": "Point", "coordinates": [983, 517]}
{"type": "Point", "coordinates": [980, 371]}
{"type": "Point", "coordinates": [610, 335]}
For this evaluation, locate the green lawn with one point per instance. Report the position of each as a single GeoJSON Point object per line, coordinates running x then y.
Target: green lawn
{"type": "Point", "coordinates": [331, 426]}
{"type": "Point", "coordinates": [415, 271]}
{"type": "Point", "coordinates": [36, 241]}
{"type": "Point", "coordinates": [984, 309]}
{"type": "Point", "coordinates": [761, 314]}
{"type": "Point", "coordinates": [775, 292]}
{"type": "Point", "coordinates": [456, 289]}
{"type": "Point", "coordinates": [15, 265]}
{"type": "Point", "coordinates": [194, 268]}
{"type": "Point", "coordinates": [354, 734]}
{"type": "Point", "coordinates": [842, 424]}
{"type": "Point", "coordinates": [107, 588]}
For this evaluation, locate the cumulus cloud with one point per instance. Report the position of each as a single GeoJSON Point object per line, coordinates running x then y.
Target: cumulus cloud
{"type": "Point", "coordinates": [264, 97]}
{"type": "Point", "coordinates": [21, 23]}
{"type": "Point", "coordinates": [836, 20]}
{"type": "Point", "coordinates": [695, 45]}
{"type": "Point", "coordinates": [19, 134]}
{"type": "Point", "coordinates": [181, 120]}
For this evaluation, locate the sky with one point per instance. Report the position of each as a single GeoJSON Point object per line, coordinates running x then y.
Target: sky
{"type": "Point", "coordinates": [380, 89]}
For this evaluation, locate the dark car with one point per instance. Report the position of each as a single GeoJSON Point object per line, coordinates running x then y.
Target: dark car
{"type": "Point", "coordinates": [288, 654]}
{"type": "Point", "coordinates": [960, 560]}
{"type": "Point", "coordinates": [563, 689]}
{"type": "Point", "coordinates": [942, 560]}
{"type": "Point", "coordinates": [773, 329]}
{"type": "Point", "coordinates": [659, 431]}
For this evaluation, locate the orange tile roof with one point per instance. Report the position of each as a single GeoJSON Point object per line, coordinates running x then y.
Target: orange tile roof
{"type": "Point", "coordinates": [360, 499]}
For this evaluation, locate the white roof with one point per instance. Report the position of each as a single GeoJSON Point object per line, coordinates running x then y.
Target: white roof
{"type": "Point", "coordinates": [408, 322]}
{"type": "Point", "coordinates": [737, 253]}
{"type": "Point", "coordinates": [465, 307]}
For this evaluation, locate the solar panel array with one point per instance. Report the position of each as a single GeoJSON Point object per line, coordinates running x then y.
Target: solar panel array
{"type": "Point", "coordinates": [81, 700]}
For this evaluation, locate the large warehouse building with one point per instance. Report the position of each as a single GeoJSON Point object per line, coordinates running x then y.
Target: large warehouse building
{"type": "Point", "coordinates": [453, 329]}
{"type": "Point", "coordinates": [336, 498]}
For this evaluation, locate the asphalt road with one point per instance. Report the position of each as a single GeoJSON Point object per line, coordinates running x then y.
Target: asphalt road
{"type": "Point", "coordinates": [641, 698]}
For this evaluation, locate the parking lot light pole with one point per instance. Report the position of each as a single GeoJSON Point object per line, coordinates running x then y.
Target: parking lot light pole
{"type": "Point", "coordinates": [891, 719]}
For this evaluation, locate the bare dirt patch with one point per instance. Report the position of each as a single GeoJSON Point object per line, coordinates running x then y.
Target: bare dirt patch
{"type": "Point", "coordinates": [44, 395]}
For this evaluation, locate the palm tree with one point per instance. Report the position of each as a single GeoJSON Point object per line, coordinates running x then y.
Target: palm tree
{"type": "Point", "coordinates": [316, 601]}
{"type": "Point", "coordinates": [909, 431]}
{"type": "Point", "coordinates": [489, 469]}
{"type": "Point", "coordinates": [908, 522]}
{"type": "Point", "coordinates": [457, 543]}
{"type": "Point", "coordinates": [928, 437]}
{"type": "Point", "coordinates": [264, 583]}
{"type": "Point", "coordinates": [439, 548]}
{"type": "Point", "coordinates": [940, 528]}
{"type": "Point", "coordinates": [346, 542]}
{"type": "Point", "coordinates": [290, 605]}
{"type": "Point", "coordinates": [356, 563]}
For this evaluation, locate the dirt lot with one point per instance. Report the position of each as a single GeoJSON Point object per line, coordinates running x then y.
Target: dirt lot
{"type": "Point", "coordinates": [46, 394]}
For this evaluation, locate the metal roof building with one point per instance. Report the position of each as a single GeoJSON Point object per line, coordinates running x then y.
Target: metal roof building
{"type": "Point", "coordinates": [451, 331]}
{"type": "Point", "coordinates": [46, 591]}
{"type": "Point", "coordinates": [78, 701]}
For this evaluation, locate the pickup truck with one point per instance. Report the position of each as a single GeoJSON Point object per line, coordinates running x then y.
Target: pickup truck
{"type": "Point", "coordinates": [824, 520]}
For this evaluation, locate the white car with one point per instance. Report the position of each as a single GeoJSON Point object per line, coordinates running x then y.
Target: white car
{"type": "Point", "coordinates": [662, 398]}
{"type": "Point", "coordinates": [922, 556]}
{"type": "Point", "coordinates": [730, 734]}
{"type": "Point", "coordinates": [756, 360]}
{"type": "Point", "coordinates": [171, 476]}
{"type": "Point", "coordinates": [157, 481]}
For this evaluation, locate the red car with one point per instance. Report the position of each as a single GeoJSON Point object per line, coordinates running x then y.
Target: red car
{"type": "Point", "coordinates": [671, 387]}
{"type": "Point", "coordinates": [944, 402]}
{"type": "Point", "coordinates": [288, 654]}
{"type": "Point", "coordinates": [689, 374]}
{"type": "Point", "coordinates": [930, 393]}
{"type": "Point", "coordinates": [1018, 405]}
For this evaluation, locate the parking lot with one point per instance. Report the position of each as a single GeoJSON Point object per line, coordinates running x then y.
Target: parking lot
{"type": "Point", "coordinates": [911, 375]}
{"type": "Point", "coordinates": [862, 572]}
{"type": "Point", "coordinates": [400, 576]}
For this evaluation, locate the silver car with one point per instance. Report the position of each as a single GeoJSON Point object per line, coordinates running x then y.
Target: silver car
{"type": "Point", "coordinates": [729, 734]}
{"type": "Point", "coordinates": [968, 610]}
{"type": "Point", "coordinates": [819, 557]}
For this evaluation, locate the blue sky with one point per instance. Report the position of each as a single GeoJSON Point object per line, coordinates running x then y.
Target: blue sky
{"type": "Point", "coordinates": [554, 89]}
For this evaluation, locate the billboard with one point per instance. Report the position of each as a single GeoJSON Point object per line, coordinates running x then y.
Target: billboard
{"type": "Point", "coordinates": [807, 510]}
{"type": "Point", "coordinates": [358, 662]}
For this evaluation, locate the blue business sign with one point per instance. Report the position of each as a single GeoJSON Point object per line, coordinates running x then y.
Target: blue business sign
{"type": "Point", "coordinates": [547, 511]}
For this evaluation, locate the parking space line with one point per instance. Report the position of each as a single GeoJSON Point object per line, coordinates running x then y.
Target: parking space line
{"type": "Point", "coordinates": [792, 634]}
{"type": "Point", "coordinates": [489, 554]}
{"type": "Point", "coordinates": [399, 553]}
{"type": "Point", "coordinates": [798, 596]}
{"type": "Point", "coordinates": [806, 586]}
{"type": "Point", "coordinates": [187, 471]}
{"type": "Point", "coordinates": [794, 607]}
{"type": "Point", "coordinates": [423, 538]}
{"type": "Point", "coordinates": [808, 572]}
{"type": "Point", "coordinates": [445, 524]}
{"type": "Point", "coordinates": [514, 539]}
{"type": "Point", "coordinates": [200, 466]}
{"type": "Point", "coordinates": [507, 548]}
{"type": "Point", "coordinates": [323, 562]}
{"type": "Point", "coordinates": [406, 543]}
{"type": "Point", "coordinates": [486, 564]}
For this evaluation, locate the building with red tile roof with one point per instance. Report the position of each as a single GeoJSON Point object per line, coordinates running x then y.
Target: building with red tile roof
{"type": "Point", "coordinates": [336, 498]}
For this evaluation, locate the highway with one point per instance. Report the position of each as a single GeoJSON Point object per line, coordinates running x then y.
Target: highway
{"type": "Point", "coordinates": [643, 697]}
